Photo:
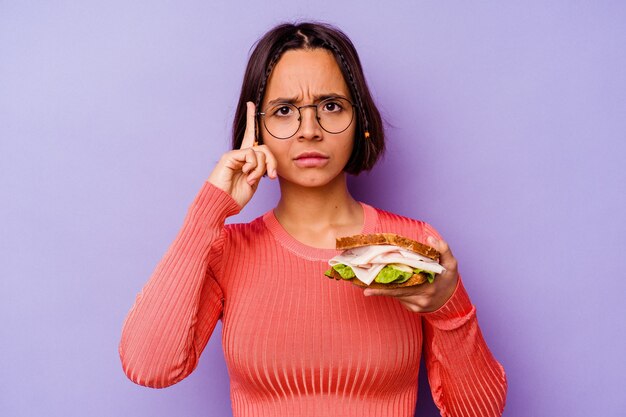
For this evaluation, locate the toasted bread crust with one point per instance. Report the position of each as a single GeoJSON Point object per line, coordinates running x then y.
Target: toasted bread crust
{"type": "Point", "coordinates": [356, 241]}
{"type": "Point", "coordinates": [416, 279]}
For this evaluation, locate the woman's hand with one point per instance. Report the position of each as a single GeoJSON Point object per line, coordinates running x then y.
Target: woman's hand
{"type": "Point", "coordinates": [239, 171]}
{"type": "Point", "coordinates": [427, 297]}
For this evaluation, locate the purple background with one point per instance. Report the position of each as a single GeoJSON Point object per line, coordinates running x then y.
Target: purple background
{"type": "Point", "coordinates": [507, 132]}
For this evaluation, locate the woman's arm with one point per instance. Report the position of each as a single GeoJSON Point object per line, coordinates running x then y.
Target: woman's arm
{"type": "Point", "coordinates": [465, 378]}
{"type": "Point", "coordinates": [176, 311]}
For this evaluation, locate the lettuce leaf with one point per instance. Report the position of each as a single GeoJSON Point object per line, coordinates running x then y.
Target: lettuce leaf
{"type": "Point", "coordinates": [390, 274]}
{"type": "Point", "coordinates": [344, 270]}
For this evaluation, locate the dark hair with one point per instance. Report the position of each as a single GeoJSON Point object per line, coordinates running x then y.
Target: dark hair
{"type": "Point", "coordinates": [369, 134]}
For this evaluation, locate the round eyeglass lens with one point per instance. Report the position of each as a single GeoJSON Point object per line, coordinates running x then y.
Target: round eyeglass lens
{"type": "Point", "coordinates": [334, 115]}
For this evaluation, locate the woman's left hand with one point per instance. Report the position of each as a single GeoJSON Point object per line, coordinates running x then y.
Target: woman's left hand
{"type": "Point", "coordinates": [427, 297]}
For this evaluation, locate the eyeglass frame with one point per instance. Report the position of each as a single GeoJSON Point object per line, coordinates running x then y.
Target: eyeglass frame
{"type": "Point", "coordinates": [317, 118]}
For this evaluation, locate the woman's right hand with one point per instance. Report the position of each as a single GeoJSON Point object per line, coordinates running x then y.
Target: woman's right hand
{"type": "Point", "coordinates": [239, 171]}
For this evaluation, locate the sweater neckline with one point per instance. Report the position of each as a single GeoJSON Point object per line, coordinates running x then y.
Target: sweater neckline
{"type": "Point", "coordinates": [290, 243]}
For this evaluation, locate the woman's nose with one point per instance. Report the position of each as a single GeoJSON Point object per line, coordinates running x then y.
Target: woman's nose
{"type": "Point", "coordinates": [309, 125]}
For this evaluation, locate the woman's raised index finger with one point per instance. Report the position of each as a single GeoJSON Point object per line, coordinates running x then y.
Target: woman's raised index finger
{"type": "Point", "coordinates": [248, 136]}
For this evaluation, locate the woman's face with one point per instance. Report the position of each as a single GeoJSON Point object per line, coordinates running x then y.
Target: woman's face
{"type": "Point", "coordinates": [302, 77]}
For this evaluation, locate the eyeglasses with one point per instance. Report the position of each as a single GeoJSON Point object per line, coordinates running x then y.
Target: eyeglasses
{"type": "Point", "coordinates": [283, 120]}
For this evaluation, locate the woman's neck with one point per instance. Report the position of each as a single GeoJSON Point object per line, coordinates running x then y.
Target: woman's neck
{"type": "Point", "coordinates": [317, 215]}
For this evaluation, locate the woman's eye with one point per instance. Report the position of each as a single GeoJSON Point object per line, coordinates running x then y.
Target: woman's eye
{"type": "Point", "coordinates": [283, 111]}
{"type": "Point", "coordinates": [332, 107]}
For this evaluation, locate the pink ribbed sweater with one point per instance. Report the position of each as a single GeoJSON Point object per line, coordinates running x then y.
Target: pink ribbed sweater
{"type": "Point", "coordinates": [297, 343]}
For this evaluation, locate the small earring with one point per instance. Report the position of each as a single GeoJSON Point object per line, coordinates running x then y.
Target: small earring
{"type": "Point", "coordinates": [367, 134]}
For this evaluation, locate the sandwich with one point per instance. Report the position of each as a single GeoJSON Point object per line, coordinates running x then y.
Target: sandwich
{"type": "Point", "coordinates": [384, 260]}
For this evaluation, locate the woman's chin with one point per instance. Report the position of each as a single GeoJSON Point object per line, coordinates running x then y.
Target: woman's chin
{"type": "Point", "coordinates": [313, 179]}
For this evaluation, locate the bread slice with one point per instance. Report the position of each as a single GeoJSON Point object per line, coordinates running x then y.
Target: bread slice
{"type": "Point", "coordinates": [416, 279]}
{"type": "Point", "coordinates": [356, 241]}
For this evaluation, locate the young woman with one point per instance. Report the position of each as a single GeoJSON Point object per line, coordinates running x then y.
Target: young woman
{"type": "Point", "coordinates": [297, 343]}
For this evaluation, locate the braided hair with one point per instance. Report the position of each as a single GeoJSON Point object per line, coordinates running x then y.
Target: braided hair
{"type": "Point", "coordinates": [369, 134]}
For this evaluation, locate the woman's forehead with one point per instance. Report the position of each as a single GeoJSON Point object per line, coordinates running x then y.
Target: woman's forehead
{"type": "Point", "coordinates": [306, 73]}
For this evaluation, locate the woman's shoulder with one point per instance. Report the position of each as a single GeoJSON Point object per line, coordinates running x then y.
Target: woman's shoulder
{"type": "Point", "coordinates": [416, 229]}
{"type": "Point", "coordinates": [242, 237]}
{"type": "Point", "coordinates": [251, 228]}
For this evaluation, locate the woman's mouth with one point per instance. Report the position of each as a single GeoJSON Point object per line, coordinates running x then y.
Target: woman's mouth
{"type": "Point", "coordinates": [311, 160]}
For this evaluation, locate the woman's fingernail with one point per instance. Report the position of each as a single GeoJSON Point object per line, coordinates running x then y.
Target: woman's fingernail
{"type": "Point", "coordinates": [432, 240]}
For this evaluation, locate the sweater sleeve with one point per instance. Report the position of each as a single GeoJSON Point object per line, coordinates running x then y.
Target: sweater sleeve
{"type": "Point", "coordinates": [176, 311]}
{"type": "Point", "coordinates": [465, 378]}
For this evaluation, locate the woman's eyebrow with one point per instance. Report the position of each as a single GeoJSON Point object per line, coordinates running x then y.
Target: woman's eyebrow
{"type": "Point", "coordinates": [281, 100]}
{"type": "Point", "coordinates": [323, 97]}
{"type": "Point", "coordinates": [316, 98]}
